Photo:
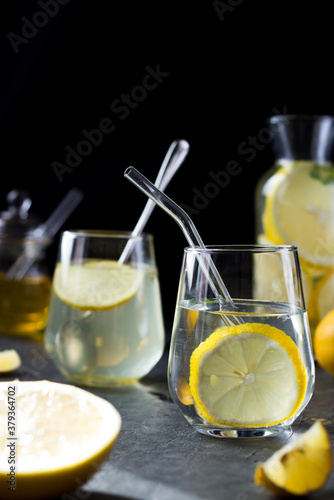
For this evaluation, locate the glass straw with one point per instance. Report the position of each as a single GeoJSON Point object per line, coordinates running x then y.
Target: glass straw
{"type": "Point", "coordinates": [184, 221]}
{"type": "Point", "coordinates": [43, 232]}
{"type": "Point", "coordinates": [175, 156]}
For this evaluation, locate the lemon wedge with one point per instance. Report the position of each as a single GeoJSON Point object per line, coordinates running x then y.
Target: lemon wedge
{"type": "Point", "coordinates": [62, 433]}
{"type": "Point", "coordinates": [96, 285]}
{"type": "Point", "coordinates": [299, 210]}
{"type": "Point", "coordinates": [9, 361]}
{"type": "Point", "coordinates": [299, 467]}
{"type": "Point", "coordinates": [248, 375]}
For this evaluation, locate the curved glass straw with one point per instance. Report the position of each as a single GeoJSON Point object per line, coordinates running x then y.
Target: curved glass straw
{"type": "Point", "coordinates": [174, 158]}
{"type": "Point", "coordinates": [182, 218]}
{"type": "Point", "coordinates": [45, 231]}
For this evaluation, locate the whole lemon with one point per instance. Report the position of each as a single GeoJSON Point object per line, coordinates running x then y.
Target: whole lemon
{"type": "Point", "coordinates": [324, 342]}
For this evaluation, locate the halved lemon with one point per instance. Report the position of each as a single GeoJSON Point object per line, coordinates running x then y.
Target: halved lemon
{"type": "Point", "coordinates": [248, 375]}
{"type": "Point", "coordinates": [96, 285]}
{"type": "Point", "coordinates": [56, 436]}
{"type": "Point", "coordinates": [300, 467]}
{"type": "Point", "coordinates": [9, 360]}
{"type": "Point", "coordinates": [299, 210]}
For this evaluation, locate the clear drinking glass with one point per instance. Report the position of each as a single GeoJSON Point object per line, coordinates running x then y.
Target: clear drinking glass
{"type": "Point", "coordinates": [241, 370]}
{"type": "Point", "coordinates": [105, 324]}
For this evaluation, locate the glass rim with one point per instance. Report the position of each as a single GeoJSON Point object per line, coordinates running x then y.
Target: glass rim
{"type": "Point", "coordinates": [242, 248]}
{"type": "Point", "coordinates": [106, 233]}
{"type": "Point", "coordinates": [296, 117]}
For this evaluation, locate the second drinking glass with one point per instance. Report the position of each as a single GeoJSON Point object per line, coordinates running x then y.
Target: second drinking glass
{"type": "Point", "coordinates": [105, 324]}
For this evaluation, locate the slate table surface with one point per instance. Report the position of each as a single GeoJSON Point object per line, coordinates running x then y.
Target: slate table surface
{"type": "Point", "coordinates": [158, 456]}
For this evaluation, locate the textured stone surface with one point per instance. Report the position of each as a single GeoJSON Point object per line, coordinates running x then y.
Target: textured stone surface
{"type": "Point", "coordinates": [158, 456]}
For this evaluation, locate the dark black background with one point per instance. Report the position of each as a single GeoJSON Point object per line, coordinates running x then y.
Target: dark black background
{"type": "Point", "coordinates": [224, 73]}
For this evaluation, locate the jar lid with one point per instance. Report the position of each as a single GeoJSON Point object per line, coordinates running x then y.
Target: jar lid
{"type": "Point", "coordinates": [16, 222]}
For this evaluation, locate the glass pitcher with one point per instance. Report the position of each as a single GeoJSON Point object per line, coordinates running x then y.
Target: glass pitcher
{"type": "Point", "coordinates": [295, 202]}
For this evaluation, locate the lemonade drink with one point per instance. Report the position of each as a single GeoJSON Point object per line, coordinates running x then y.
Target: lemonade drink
{"type": "Point", "coordinates": [105, 323]}
{"type": "Point", "coordinates": [117, 344]}
{"type": "Point", "coordinates": [260, 376]}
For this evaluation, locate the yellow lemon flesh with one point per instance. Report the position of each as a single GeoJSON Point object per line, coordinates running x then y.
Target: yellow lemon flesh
{"type": "Point", "coordinates": [248, 375]}
{"type": "Point", "coordinates": [62, 433]}
{"type": "Point", "coordinates": [299, 467]}
{"type": "Point", "coordinates": [96, 285]}
{"type": "Point", "coordinates": [324, 343]}
{"type": "Point", "coordinates": [9, 361]}
{"type": "Point", "coordinates": [299, 210]}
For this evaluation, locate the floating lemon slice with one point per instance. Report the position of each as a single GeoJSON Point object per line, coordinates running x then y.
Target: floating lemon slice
{"type": "Point", "coordinates": [247, 375]}
{"type": "Point", "coordinates": [270, 190]}
{"type": "Point", "coordinates": [299, 467]}
{"type": "Point", "coordinates": [9, 361]}
{"type": "Point", "coordinates": [299, 210]}
{"type": "Point", "coordinates": [62, 433]}
{"type": "Point", "coordinates": [96, 285]}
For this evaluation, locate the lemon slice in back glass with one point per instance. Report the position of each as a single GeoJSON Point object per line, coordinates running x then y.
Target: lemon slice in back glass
{"type": "Point", "coordinates": [96, 285]}
{"type": "Point", "coordinates": [300, 210]}
{"type": "Point", "coordinates": [248, 375]}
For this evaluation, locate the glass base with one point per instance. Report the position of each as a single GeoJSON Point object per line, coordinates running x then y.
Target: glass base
{"type": "Point", "coordinates": [244, 433]}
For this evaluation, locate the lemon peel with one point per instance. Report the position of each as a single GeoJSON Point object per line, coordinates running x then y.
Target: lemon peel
{"type": "Point", "coordinates": [248, 375]}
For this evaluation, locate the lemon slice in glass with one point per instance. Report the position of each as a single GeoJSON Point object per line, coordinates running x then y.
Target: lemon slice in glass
{"type": "Point", "coordinates": [248, 375]}
{"type": "Point", "coordinates": [299, 467]}
{"type": "Point", "coordinates": [299, 210]}
{"type": "Point", "coordinates": [96, 285]}
{"type": "Point", "coordinates": [62, 435]}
